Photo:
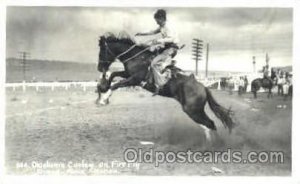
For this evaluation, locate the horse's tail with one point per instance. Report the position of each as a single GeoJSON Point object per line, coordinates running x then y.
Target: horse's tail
{"type": "Point", "coordinates": [222, 113]}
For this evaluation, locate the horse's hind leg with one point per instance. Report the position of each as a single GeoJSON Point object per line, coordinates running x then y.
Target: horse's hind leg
{"type": "Point", "coordinates": [203, 120]}
{"type": "Point", "coordinates": [270, 93]}
{"type": "Point", "coordinates": [254, 94]}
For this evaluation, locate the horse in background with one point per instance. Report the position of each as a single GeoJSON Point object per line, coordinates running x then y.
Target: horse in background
{"type": "Point", "coordinates": [265, 83]}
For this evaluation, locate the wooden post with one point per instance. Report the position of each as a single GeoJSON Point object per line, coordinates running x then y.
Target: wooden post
{"type": "Point", "coordinates": [197, 52]}
{"type": "Point", "coordinates": [24, 86]}
{"type": "Point", "coordinates": [206, 67]}
{"type": "Point", "coordinates": [254, 62]}
{"type": "Point", "coordinates": [52, 87]}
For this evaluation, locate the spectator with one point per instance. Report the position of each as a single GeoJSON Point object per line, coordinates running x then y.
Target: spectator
{"type": "Point", "coordinates": [281, 81]}
{"type": "Point", "coordinates": [230, 85]}
{"type": "Point", "coordinates": [241, 86]}
{"type": "Point", "coordinates": [290, 82]}
{"type": "Point", "coordinates": [285, 88]}
{"type": "Point", "coordinates": [246, 83]}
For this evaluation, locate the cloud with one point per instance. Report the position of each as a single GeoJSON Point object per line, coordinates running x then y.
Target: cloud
{"type": "Point", "coordinates": [71, 33]}
{"type": "Point", "coordinates": [229, 17]}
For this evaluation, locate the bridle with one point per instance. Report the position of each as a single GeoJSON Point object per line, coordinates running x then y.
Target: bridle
{"type": "Point", "coordinates": [109, 50]}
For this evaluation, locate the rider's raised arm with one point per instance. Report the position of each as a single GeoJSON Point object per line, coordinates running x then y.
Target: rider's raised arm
{"type": "Point", "coordinates": [156, 31]}
{"type": "Point", "coordinates": [167, 40]}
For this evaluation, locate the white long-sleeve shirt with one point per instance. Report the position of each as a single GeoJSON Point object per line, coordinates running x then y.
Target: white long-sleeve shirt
{"type": "Point", "coordinates": [168, 34]}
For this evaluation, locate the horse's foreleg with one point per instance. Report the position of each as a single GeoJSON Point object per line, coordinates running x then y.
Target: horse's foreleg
{"type": "Point", "coordinates": [111, 77]}
{"type": "Point", "coordinates": [108, 91]}
{"type": "Point", "coordinates": [99, 96]}
{"type": "Point", "coordinates": [105, 97]}
{"type": "Point", "coordinates": [122, 74]}
{"type": "Point", "coordinates": [254, 93]}
{"type": "Point", "coordinates": [131, 81]}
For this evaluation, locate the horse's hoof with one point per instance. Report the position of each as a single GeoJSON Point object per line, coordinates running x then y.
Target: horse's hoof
{"type": "Point", "coordinates": [104, 102]}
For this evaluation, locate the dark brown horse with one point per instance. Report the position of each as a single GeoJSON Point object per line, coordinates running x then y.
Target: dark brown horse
{"type": "Point", "coordinates": [265, 83]}
{"type": "Point", "coordinates": [191, 94]}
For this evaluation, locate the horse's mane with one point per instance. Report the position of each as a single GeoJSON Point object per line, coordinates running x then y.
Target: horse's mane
{"type": "Point", "coordinates": [123, 37]}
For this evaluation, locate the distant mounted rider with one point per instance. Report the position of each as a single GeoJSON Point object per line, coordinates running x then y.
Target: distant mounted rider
{"type": "Point", "coordinates": [169, 41]}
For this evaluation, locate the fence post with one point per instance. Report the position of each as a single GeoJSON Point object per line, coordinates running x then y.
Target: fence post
{"type": "Point", "coordinates": [84, 87]}
{"type": "Point", "coordinates": [52, 87]}
{"type": "Point", "coordinates": [24, 86]}
{"type": "Point", "coordinates": [219, 84]}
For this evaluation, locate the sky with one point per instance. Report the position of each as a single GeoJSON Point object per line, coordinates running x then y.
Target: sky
{"type": "Point", "coordinates": [234, 35]}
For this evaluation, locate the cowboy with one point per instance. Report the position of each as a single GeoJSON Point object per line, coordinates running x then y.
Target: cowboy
{"type": "Point", "coordinates": [280, 82]}
{"type": "Point", "coordinates": [170, 42]}
{"type": "Point", "coordinates": [265, 72]}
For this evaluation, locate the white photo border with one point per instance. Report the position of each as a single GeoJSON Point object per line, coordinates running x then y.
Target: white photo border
{"type": "Point", "coordinates": [295, 4]}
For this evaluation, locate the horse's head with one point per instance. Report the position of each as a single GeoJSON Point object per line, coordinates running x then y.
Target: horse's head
{"type": "Point", "coordinates": [110, 47]}
{"type": "Point", "coordinates": [106, 56]}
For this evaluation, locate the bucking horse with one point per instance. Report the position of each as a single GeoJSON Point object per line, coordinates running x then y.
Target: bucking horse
{"type": "Point", "coordinates": [191, 94]}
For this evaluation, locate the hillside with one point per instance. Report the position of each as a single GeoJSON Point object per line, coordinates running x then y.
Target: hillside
{"type": "Point", "coordinates": [41, 70]}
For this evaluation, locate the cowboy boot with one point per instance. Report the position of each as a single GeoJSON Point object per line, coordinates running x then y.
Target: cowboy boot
{"type": "Point", "coordinates": [156, 92]}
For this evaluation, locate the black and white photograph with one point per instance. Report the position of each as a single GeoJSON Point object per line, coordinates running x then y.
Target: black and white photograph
{"type": "Point", "coordinates": [148, 91]}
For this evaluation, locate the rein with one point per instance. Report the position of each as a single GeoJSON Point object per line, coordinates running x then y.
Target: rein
{"type": "Point", "coordinates": [139, 53]}
{"type": "Point", "coordinates": [125, 52]}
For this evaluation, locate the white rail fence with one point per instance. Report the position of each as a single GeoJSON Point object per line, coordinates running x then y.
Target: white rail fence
{"type": "Point", "coordinates": [85, 85]}
{"type": "Point", "coordinates": [67, 85]}
{"type": "Point", "coordinates": [52, 85]}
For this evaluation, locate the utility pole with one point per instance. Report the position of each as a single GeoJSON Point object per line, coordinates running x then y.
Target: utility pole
{"type": "Point", "coordinates": [24, 64]}
{"type": "Point", "coordinates": [254, 62]}
{"type": "Point", "coordinates": [197, 52]}
{"type": "Point", "coordinates": [267, 61]}
{"type": "Point", "coordinates": [206, 66]}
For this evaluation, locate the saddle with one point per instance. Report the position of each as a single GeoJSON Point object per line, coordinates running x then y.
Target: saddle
{"type": "Point", "coordinates": [266, 78]}
{"type": "Point", "coordinates": [174, 71]}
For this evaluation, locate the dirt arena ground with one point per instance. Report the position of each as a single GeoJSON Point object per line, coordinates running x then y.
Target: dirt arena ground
{"type": "Point", "coordinates": [66, 128]}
